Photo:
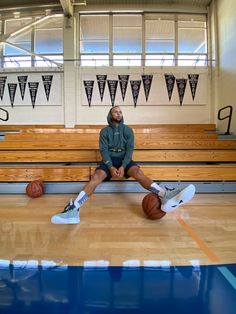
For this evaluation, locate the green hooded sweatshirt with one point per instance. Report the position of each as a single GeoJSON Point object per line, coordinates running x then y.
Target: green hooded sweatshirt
{"type": "Point", "coordinates": [116, 142]}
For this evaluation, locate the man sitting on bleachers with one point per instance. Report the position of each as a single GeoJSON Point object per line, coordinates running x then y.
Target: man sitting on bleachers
{"type": "Point", "coordinates": [116, 146]}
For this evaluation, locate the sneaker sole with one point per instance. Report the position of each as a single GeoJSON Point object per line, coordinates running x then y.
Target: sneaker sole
{"type": "Point", "coordinates": [180, 199]}
{"type": "Point", "coordinates": [69, 221]}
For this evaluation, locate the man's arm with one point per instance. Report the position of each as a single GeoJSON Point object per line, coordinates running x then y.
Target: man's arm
{"type": "Point", "coordinates": [129, 147]}
{"type": "Point", "coordinates": [103, 145]}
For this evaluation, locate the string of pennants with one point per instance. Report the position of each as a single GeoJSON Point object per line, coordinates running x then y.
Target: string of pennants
{"type": "Point", "coordinates": [22, 83]}
{"type": "Point", "coordinates": [135, 85]}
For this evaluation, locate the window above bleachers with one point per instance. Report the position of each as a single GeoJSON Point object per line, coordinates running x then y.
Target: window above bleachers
{"type": "Point", "coordinates": [32, 41]}
{"type": "Point", "coordinates": [144, 39]}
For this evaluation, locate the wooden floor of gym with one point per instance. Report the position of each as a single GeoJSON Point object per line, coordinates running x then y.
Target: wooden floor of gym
{"type": "Point", "coordinates": [114, 229]}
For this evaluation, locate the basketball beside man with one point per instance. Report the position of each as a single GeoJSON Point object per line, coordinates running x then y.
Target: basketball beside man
{"type": "Point", "coordinates": [116, 144]}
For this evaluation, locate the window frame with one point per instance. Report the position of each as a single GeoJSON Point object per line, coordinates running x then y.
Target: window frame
{"type": "Point", "coordinates": [29, 53]}
{"type": "Point", "coordinates": [144, 52]}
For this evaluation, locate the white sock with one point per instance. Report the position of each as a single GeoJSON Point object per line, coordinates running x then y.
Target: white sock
{"type": "Point", "coordinates": [81, 198]}
{"type": "Point", "coordinates": [155, 188]}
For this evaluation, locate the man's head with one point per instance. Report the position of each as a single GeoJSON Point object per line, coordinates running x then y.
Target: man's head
{"type": "Point", "coordinates": [116, 114]}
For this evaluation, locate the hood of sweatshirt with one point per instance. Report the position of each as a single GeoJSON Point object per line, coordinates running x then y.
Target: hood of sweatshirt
{"type": "Point", "coordinates": [116, 132]}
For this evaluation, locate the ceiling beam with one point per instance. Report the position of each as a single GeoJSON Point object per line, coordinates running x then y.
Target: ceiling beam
{"type": "Point", "coordinates": [67, 7]}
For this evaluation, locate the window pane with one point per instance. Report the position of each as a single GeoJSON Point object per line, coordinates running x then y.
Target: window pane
{"type": "Point", "coordinates": [15, 62]}
{"type": "Point", "coordinates": [16, 24]}
{"type": "Point", "coordinates": [128, 60]}
{"type": "Point", "coordinates": [127, 40]}
{"type": "Point", "coordinates": [159, 36]}
{"type": "Point", "coordinates": [40, 62]}
{"type": "Point", "coordinates": [10, 50]}
{"type": "Point", "coordinates": [192, 60]}
{"type": "Point", "coordinates": [94, 46]}
{"type": "Point", "coordinates": [55, 21]}
{"type": "Point", "coordinates": [191, 24]}
{"type": "Point", "coordinates": [192, 20]}
{"type": "Point", "coordinates": [95, 60]}
{"type": "Point", "coordinates": [127, 33]}
{"type": "Point", "coordinates": [192, 33]}
{"type": "Point", "coordinates": [48, 41]}
{"type": "Point", "coordinates": [192, 40]}
{"type": "Point", "coordinates": [94, 33]}
{"type": "Point", "coordinates": [160, 46]}
{"type": "Point", "coordinates": [159, 60]}
{"type": "Point", "coordinates": [22, 40]}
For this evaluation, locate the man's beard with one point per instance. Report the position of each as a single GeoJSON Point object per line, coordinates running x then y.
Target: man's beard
{"type": "Point", "coordinates": [116, 120]}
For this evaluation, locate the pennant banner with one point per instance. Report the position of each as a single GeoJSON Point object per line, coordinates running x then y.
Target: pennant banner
{"type": "Point", "coordinates": [123, 80]}
{"type": "Point", "coordinates": [47, 83]}
{"type": "Point", "coordinates": [135, 87]}
{"type": "Point", "coordinates": [12, 92]}
{"type": "Point", "coordinates": [33, 88]}
{"type": "Point", "coordinates": [193, 80]}
{"type": "Point", "coordinates": [88, 85]}
{"type": "Point", "coordinates": [112, 85]}
{"type": "Point", "coordinates": [22, 83]}
{"type": "Point", "coordinates": [2, 85]}
{"type": "Point", "coordinates": [181, 85]}
{"type": "Point", "coordinates": [101, 79]}
{"type": "Point", "coordinates": [170, 82]}
{"type": "Point", "coordinates": [147, 82]}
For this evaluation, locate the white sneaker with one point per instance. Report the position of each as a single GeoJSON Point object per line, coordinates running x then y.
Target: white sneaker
{"type": "Point", "coordinates": [174, 198]}
{"type": "Point", "coordinates": [70, 215]}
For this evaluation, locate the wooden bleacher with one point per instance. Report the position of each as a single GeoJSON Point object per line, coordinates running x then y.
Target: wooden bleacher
{"type": "Point", "coordinates": [182, 152]}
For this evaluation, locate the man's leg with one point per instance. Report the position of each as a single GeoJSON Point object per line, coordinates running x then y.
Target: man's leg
{"type": "Point", "coordinates": [171, 199]}
{"type": "Point", "coordinates": [70, 214]}
{"type": "Point", "coordinates": [148, 184]}
{"type": "Point", "coordinates": [98, 176]}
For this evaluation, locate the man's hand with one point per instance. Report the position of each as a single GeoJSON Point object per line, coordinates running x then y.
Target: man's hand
{"type": "Point", "coordinates": [121, 171]}
{"type": "Point", "coordinates": [114, 172]}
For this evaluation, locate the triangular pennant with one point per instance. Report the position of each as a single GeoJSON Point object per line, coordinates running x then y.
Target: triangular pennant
{"type": "Point", "coordinates": [101, 79]}
{"type": "Point", "coordinates": [123, 80]}
{"type": "Point", "coordinates": [12, 92]}
{"type": "Point", "coordinates": [135, 87]}
{"type": "Point", "coordinates": [2, 85]}
{"type": "Point", "coordinates": [147, 82]}
{"type": "Point", "coordinates": [33, 88]}
{"type": "Point", "coordinates": [112, 85]}
{"type": "Point", "coordinates": [181, 85]}
{"type": "Point", "coordinates": [22, 83]}
{"type": "Point", "coordinates": [47, 83]}
{"type": "Point", "coordinates": [170, 82]}
{"type": "Point", "coordinates": [193, 80]}
{"type": "Point", "coordinates": [88, 85]}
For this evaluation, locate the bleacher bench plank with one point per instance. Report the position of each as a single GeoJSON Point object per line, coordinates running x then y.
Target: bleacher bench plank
{"type": "Point", "coordinates": [189, 172]}
{"type": "Point", "coordinates": [138, 155]}
{"type": "Point", "coordinates": [199, 126]}
{"type": "Point", "coordinates": [45, 172]}
{"type": "Point", "coordinates": [52, 173]}
{"type": "Point", "coordinates": [78, 136]}
{"type": "Point", "coordinates": [140, 143]}
{"type": "Point", "coordinates": [97, 130]}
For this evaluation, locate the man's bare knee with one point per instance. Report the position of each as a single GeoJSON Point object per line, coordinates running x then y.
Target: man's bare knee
{"type": "Point", "coordinates": [139, 174]}
{"type": "Point", "coordinates": [98, 176]}
{"type": "Point", "coordinates": [136, 173]}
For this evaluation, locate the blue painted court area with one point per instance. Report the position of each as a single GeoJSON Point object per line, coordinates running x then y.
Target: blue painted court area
{"type": "Point", "coordinates": [52, 289]}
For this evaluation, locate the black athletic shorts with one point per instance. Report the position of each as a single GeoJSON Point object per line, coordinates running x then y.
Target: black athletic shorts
{"type": "Point", "coordinates": [117, 163]}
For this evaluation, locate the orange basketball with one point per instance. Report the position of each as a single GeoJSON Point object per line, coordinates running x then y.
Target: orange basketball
{"type": "Point", "coordinates": [35, 188]}
{"type": "Point", "coordinates": [151, 205]}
